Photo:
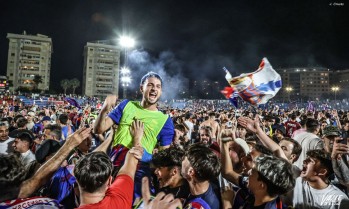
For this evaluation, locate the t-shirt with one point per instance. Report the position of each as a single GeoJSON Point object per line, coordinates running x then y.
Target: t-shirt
{"type": "Point", "coordinates": [291, 127]}
{"type": "Point", "coordinates": [181, 192]}
{"type": "Point", "coordinates": [6, 146]}
{"type": "Point", "coordinates": [32, 202]}
{"type": "Point", "coordinates": [304, 197]}
{"type": "Point", "coordinates": [211, 197]}
{"type": "Point", "coordinates": [157, 127]}
{"type": "Point", "coordinates": [245, 199]}
{"type": "Point", "coordinates": [118, 195]}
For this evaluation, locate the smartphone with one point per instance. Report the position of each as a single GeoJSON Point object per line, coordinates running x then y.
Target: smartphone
{"type": "Point", "coordinates": [344, 141]}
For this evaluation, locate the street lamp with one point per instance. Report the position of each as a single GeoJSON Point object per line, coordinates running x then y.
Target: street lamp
{"type": "Point", "coordinates": [127, 43]}
{"type": "Point", "coordinates": [335, 89]}
{"type": "Point", "coordinates": [289, 89]}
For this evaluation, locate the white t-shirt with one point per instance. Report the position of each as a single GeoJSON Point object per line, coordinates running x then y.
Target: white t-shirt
{"type": "Point", "coordinates": [190, 126]}
{"type": "Point", "coordinates": [27, 157]}
{"type": "Point", "coordinates": [308, 141]}
{"type": "Point", "coordinates": [304, 197]}
{"type": "Point", "coordinates": [6, 146]}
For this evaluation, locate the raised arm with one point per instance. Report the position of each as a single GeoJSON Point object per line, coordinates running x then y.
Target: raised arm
{"type": "Point", "coordinates": [253, 126]}
{"type": "Point", "coordinates": [103, 122]}
{"type": "Point", "coordinates": [106, 143]}
{"type": "Point", "coordinates": [227, 166]}
{"type": "Point", "coordinates": [46, 171]}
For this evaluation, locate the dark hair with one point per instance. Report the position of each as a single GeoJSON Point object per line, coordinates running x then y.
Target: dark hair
{"type": "Point", "coordinates": [150, 75]}
{"type": "Point", "coordinates": [12, 174]}
{"type": "Point", "coordinates": [324, 158]}
{"type": "Point", "coordinates": [55, 129]}
{"type": "Point", "coordinates": [276, 173]}
{"type": "Point", "coordinates": [92, 171]}
{"type": "Point", "coordinates": [311, 124]}
{"type": "Point", "coordinates": [297, 148]}
{"type": "Point", "coordinates": [204, 162]}
{"type": "Point", "coordinates": [63, 118]}
{"type": "Point", "coordinates": [173, 156]}
{"type": "Point", "coordinates": [263, 149]}
{"type": "Point", "coordinates": [21, 122]}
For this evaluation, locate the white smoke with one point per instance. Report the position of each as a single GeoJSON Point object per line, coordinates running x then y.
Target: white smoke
{"type": "Point", "coordinates": [175, 85]}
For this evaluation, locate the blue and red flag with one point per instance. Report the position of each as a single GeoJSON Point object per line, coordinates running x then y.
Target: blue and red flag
{"type": "Point", "coordinates": [255, 88]}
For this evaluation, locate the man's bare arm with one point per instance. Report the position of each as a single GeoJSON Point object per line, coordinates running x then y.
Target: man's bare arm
{"type": "Point", "coordinates": [103, 122]}
{"type": "Point", "coordinates": [46, 171]}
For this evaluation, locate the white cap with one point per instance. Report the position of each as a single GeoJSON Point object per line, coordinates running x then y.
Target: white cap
{"type": "Point", "coordinates": [243, 144]}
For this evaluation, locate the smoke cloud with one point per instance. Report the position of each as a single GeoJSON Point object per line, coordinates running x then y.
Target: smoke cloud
{"type": "Point", "coordinates": [166, 65]}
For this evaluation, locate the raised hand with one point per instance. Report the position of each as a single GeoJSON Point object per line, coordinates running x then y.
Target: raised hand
{"type": "Point", "coordinates": [78, 136]}
{"type": "Point", "coordinates": [160, 201]}
{"type": "Point", "coordinates": [137, 131]}
{"type": "Point", "coordinates": [249, 124]}
{"type": "Point", "coordinates": [110, 101]}
{"type": "Point", "coordinates": [339, 149]}
{"type": "Point", "coordinates": [137, 152]}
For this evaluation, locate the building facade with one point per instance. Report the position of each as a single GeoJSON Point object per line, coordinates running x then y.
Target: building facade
{"type": "Point", "coordinates": [101, 69]}
{"type": "Point", "coordinates": [29, 56]}
{"type": "Point", "coordinates": [309, 83]}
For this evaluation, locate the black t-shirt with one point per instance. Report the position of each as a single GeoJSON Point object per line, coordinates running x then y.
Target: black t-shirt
{"type": "Point", "coordinates": [181, 192]}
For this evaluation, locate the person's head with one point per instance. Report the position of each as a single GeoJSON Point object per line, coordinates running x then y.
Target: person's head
{"type": "Point", "coordinates": [293, 117]}
{"type": "Point", "coordinates": [256, 150]}
{"type": "Point", "coordinates": [63, 119]}
{"type": "Point", "coordinates": [47, 149]}
{"type": "Point", "coordinates": [312, 125]}
{"type": "Point", "coordinates": [237, 150]}
{"type": "Point", "coordinates": [53, 131]}
{"type": "Point", "coordinates": [330, 134]}
{"type": "Point", "coordinates": [205, 134]}
{"type": "Point", "coordinates": [279, 132]}
{"type": "Point", "coordinates": [168, 165]}
{"type": "Point", "coordinates": [317, 166]}
{"type": "Point", "coordinates": [12, 174]}
{"type": "Point", "coordinates": [200, 164]}
{"type": "Point", "coordinates": [212, 115]}
{"type": "Point", "coordinates": [22, 123]}
{"type": "Point", "coordinates": [271, 176]}
{"type": "Point", "coordinates": [30, 116]}
{"type": "Point", "coordinates": [346, 125]}
{"type": "Point", "coordinates": [23, 140]}
{"type": "Point", "coordinates": [86, 144]}
{"type": "Point", "coordinates": [4, 130]}
{"type": "Point", "coordinates": [241, 131]}
{"type": "Point", "coordinates": [45, 120]}
{"type": "Point", "coordinates": [151, 88]}
{"type": "Point", "coordinates": [291, 148]}
{"type": "Point", "coordinates": [93, 173]}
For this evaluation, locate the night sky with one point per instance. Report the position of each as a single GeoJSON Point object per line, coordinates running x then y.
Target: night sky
{"type": "Point", "coordinates": [192, 38]}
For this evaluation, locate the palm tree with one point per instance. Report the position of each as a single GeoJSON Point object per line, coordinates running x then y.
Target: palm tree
{"type": "Point", "coordinates": [36, 81]}
{"type": "Point", "coordinates": [65, 84]}
{"type": "Point", "coordinates": [75, 83]}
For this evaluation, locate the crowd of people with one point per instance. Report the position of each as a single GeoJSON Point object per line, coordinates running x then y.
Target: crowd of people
{"type": "Point", "coordinates": [139, 154]}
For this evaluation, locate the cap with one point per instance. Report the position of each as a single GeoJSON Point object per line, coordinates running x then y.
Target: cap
{"type": "Point", "coordinates": [331, 131]}
{"type": "Point", "coordinates": [243, 144]}
{"type": "Point", "coordinates": [47, 148]}
{"type": "Point", "coordinates": [281, 128]}
{"type": "Point", "coordinates": [46, 118]}
{"type": "Point", "coordinates": [31, 114]}
{"type": "Point", "coordinates": [22, 134]}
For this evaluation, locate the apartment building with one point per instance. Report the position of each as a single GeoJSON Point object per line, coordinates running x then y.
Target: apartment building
{"type": "Point", "coordinates": [101, 69]}
{"type": "Point", "coordinates": [28, 56]}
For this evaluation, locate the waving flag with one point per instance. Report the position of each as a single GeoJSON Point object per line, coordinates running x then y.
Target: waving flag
{"type": "Point", "coordinates": [257, 87]}
{"type": "Point", "coordinates": [73, 102]}
{"type": "Point", "coordinates": [310, 107]}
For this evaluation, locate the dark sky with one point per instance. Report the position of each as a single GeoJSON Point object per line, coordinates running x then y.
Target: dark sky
{"type": "Point", "coordinates": [202, 36]}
